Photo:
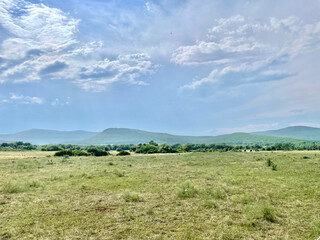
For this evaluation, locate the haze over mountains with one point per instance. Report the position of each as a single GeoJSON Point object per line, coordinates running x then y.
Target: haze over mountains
{"type": "Point", "coordinates": [297, 134]}
{"type": "Point", "coordinates": [42, 136]}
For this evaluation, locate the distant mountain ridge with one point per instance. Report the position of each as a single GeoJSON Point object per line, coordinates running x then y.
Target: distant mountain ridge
{"type": "Point", "coordinates": [294, 135]}
{"type": "Point", "coordinates": [297, 132]}
{"type": "Point", "coordinates": [44, 136]}
{"type": "Point", "coordinates": [135, 136]}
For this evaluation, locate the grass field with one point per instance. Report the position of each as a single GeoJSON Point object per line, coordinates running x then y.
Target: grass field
{"type": "Point", "coordinates": [186, 196]}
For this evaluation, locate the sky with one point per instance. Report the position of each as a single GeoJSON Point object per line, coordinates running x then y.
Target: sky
{"type": "Point", "coordinates": [188, 67]}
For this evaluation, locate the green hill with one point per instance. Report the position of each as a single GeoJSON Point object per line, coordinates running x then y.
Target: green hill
{"type": "Point", "coordinates": [298, 132]}
{"type": "Point", "coordinates": [42, 136]}
{"type": "Point", "coordinates": [134, 136]}
{"type": "Point", "coordinates": [294, 135]}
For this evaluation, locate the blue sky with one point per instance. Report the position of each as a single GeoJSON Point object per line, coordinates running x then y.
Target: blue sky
{"type": "Point", "coordinates": [197, 67]}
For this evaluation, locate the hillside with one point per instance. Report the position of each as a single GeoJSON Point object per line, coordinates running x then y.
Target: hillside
{"type": "Point", "coordinates": [298, 132]}
{"type": "Point", "coordinates": [133, 136]}
{"type": "Point", "coordinates": [42, 136]}
{"type": "Point", "coordinates": [294, 135]}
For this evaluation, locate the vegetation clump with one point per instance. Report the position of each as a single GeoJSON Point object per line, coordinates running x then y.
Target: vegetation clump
{"type": "Point", "coordinates": [17, 146]}
{"type": "Point", "coordinates": [187, 190]}
{"type": "Point", "coordinates": [97, 152]}
{"type": "Point", "coordinates": [128, 197]}
{"type": "Point", "coordinates": [274, 167]}
{"type": "Point", "coordinates": [271, 164]}
{"type": "Point", "coordinates": [123, 153]}
{"type": "Point", "coordinates": [90, 152]}
{"type": "Point", "coordinates": [268, 214]}
{"type": "Point", "coordinates": [64, 152]}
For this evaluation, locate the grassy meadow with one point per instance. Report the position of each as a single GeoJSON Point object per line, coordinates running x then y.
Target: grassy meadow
{"type": "Point", "coordinates": [169, 196]}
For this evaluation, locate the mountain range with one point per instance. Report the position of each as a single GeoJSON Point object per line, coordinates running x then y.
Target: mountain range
{"type": "Point", "coordinates": [296, 134]}
{"type": "Point", "coordinates": [42, 136]}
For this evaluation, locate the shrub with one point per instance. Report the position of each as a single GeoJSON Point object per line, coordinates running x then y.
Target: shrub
{"type": "Point", "coordinates": [51, 148]}
{"type": "Point", "coordinates": [64, 152]}
{"type": "Point", "coordinates": [80, 153]}
{"type": "Point", "coordinates": [187, 190]}
{"type": "Point", "coordinates": [97, 152]}
{"type": "Point", "coordinates": [147, 149]}
{"type": "Point", "coordinates": [123, 153]}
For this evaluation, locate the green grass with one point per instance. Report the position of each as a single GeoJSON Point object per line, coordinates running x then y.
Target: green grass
{"type": "Point", "coordinates": [229, 196]}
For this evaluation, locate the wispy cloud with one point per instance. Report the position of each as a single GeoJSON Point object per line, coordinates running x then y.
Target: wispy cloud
{"type": "Point", "coordinates": [21, 99]}
{"type": "Point", "coordinates": [249, 50]}
{"type": "Point", "coordinates": [59, 102]}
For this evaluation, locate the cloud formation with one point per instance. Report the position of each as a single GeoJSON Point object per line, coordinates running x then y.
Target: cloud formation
{"type": "Point", "coordinates": [15, 98]}
{"type": "Point", "coordinates": [125, 69]}
{"type": "Point", "coordinates": [42, 43]}
{"type": "Point", "coordinates": [248, 49]}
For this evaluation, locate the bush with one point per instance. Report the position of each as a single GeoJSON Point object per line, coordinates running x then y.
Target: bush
{"type": "Point", "coordinates": [51, 148]}
{"type": "Point", "coordinates": [187, 190]}
{"type": "Point", "coordinates": [147, 149]}
{"type": "Point", "coordinates": [80, 153]}
{"type": "Point", "coordinates": [97, 152]}
{"type": "Point", "coordinates": [64, 152]}
{"type": "Point", "coordinates": [123, 153]}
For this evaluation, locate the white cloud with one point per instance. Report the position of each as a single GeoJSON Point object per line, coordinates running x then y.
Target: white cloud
{"type": "Point", "coordinates": [59, 102]}
{"type": "Point", "coordinates": [33, 100]}
{"type": "Point", "coordinates": [126, 68]}
{"type": "Point", "coordinates": [14, 98]}
{"type": "Point", "coordinates": [148, 6]}
{"type": "Point", "coordinates": [38, 27]}
{"type": "Point", "coordinates": [43, 45]}
{"type": "Point", "coordinates": [252, 49]}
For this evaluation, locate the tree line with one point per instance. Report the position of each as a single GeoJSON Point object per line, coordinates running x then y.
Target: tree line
{"type": "Point", "coordinates": [153, 147]}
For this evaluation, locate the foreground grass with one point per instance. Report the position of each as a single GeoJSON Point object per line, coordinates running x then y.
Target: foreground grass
{"type": "Point", "coordinates": [187, 196]}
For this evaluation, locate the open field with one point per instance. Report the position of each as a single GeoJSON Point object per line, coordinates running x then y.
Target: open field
{"type": "Point", "coordinates": [186, 196]}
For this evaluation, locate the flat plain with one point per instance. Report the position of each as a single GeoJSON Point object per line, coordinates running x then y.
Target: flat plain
{"type": "Point", "coordinates": [227, 195]}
